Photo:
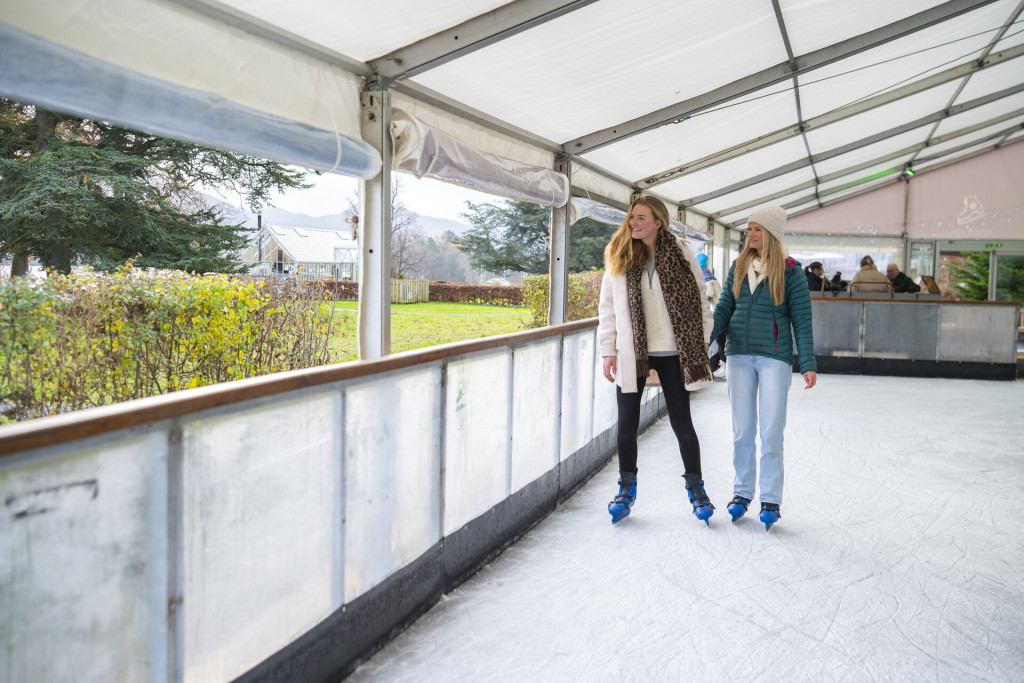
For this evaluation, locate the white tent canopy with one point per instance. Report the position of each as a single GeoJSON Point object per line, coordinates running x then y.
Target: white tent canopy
{"type": "Point", "coordinates": [715, 106]}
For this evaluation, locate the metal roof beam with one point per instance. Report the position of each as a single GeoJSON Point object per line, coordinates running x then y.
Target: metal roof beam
{"type": "Point", "coordinates": [772, 75]}
{"type": "Point", "coordinates": [835, 115]}
{"type": "Point", "coordinates": [823, 204]}
{"type": "Point", "coordinates": [984, 54]}
{"type": "Point", "coordinates": [856, 144]}
{"type": "Point", "coordinates": [472, 35]}
{"type": "Point", "coordinates": [872, 188]}
{"type": "Point", "coordinates": [874, 162]}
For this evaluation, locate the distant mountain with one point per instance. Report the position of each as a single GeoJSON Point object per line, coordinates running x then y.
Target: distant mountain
{"type": "Point", "coordinates": [435, 227]}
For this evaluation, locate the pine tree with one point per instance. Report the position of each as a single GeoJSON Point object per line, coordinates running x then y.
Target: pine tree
{"type": "Point", "coordinates": [972, 278]}
{"type": "Point", "coordinates": [78, 190]}
{"type": "Point", "coordinates": [513, 236]}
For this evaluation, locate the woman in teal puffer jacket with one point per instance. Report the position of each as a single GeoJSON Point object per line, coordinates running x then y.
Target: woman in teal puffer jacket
{"type": "Point", "coordinates": [761, 309]}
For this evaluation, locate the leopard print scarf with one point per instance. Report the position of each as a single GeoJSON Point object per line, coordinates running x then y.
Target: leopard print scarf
{"type": "Point", "coordinates": [683, 300]}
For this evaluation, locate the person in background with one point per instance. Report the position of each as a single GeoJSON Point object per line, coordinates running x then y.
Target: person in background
{"type": "Point", "coordinates": [717, 359]}
{"type": "Point", "coordinates": [900, 282]}
{"type": "Point", "coordinates": [816, 281]}
{"type": "Point", "coordinates": [869, 279]}
{"type": "Point", "coordinates": [764, 304]}
{"type": "Point", "coordinates": [838, 283]}
{"type": "Point", "coordinates": [653, 315]}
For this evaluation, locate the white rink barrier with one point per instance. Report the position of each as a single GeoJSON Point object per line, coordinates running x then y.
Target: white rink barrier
{"type": "Point", "coordinates": [282, 527]}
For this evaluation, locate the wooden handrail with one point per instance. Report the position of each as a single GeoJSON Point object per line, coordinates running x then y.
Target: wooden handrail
{"type": "Point", "coordinates": [57, 429]}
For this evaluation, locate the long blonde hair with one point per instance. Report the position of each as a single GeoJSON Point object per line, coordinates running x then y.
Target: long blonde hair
{"type": "Point", "coordinates": [624, 253]}
{"type": "Point", "coordinates": [773, 259]}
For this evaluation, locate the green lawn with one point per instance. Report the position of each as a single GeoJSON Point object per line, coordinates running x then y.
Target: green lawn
{"type": "Point", "coordinates": [415, 326]}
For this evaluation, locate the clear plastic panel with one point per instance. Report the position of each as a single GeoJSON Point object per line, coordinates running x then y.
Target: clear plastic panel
{"type": "Point", "coordinates": [392, 474]}
{"type": "Point", "coordinates": [476, 440]}
{"type": "Point", "coordinates": [606, 411]}
{"type": "Point", "coordinates": [534, 410]}
{"type": "Point", "coordinates": [262, 519]}
{"type": "Point", "coordinates": [84, 579]}
{"type": "Point", "coordinates": [707, 132]}
{"type": "Point", "coordinates": [578, 378]}
{"type": "Point", "coordinates": [172, 43]}
{"type": "Point", "coordinates": [602, 50]}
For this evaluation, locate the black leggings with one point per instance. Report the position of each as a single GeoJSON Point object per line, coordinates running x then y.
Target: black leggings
{"type": "Point", "coordinates": [677, 398]}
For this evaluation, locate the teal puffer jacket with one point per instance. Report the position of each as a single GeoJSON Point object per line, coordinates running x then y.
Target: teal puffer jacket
{"type": "Point", "coordinates": [756, 326]}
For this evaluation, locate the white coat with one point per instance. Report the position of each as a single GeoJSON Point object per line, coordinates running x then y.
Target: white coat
{"type": "Point", "coordinates": [615, 327]}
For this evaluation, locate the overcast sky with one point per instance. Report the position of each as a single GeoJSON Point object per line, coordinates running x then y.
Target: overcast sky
{"type": "Point", "coordinates": [426, 197]}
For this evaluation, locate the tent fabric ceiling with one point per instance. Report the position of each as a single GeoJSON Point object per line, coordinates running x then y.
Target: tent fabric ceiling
{"type": "Point", "coordinates": [716, 106]}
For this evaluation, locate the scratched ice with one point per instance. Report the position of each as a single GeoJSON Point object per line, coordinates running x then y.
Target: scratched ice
{"type": "Point", "coordinates": [899, 556]}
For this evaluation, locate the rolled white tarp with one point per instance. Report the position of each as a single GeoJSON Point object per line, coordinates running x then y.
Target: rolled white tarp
{"type": "Point", "coordinates": [582, 207]}
{"type": "Point", "coordinates": [161, 68]}
{"type": "Point", "coordinates": [428, 152]}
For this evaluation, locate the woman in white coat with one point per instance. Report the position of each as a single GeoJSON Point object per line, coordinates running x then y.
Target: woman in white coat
{"type": "Point", "coordinates": [653, 315]}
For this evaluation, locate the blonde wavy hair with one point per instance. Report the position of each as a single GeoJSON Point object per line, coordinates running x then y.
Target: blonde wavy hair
{"type": "Point", "coordinates": [624, 253]}
{"type": "Point", "coordinates": [773, 259]}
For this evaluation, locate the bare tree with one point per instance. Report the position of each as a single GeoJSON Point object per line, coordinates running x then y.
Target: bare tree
{"type": "Point", "coordinates": [407, 250]}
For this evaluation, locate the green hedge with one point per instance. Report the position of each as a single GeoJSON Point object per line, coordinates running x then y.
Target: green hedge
{"type": "Point", "coordinates": [73, 342]}
{"type": "Point", "coordinates": [584, 293]}
{"type": "Point", "coordinates": [450, 292]}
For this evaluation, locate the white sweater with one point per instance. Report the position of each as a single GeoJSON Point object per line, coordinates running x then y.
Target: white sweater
{"type": "Point", "coordinates": [615, 329]}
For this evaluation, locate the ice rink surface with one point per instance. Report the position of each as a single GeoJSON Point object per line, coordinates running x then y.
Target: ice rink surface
{"type": "Point", "coordinates": [899, 557]}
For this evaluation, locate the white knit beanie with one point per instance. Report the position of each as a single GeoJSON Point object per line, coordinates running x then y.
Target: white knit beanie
{"type": "Point", "coordinates": [772, 219]}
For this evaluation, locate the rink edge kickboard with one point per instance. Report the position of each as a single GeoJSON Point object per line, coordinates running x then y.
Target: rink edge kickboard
{"type": "Point", "coordinates": [901, 367]}
{"type": "Point", "coordinates": [336, 646]}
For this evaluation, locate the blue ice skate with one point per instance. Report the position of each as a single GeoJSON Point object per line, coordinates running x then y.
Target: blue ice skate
{"type": "Point", "coordinates": [623, 502]}
{"type": "Point", "coordinates": [738, 507]}
{"type": "Point", "coordinates": [769, 514]}
{"type": "Point", "coordinates": [702, 507]}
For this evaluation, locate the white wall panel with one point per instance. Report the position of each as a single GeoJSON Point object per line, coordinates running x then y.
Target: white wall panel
{"type": "Point", "coordinates": [392, 474]}
{"type": "Point", "coordinates": [261, 532]}
{"type": "Point", "coordinates": [606, 410]}
{"type": "Point", "coordinates": [83, 583]}
{"type": "Point", "coordinates": [535, 395]}
{"type": "Point", "coordinates": [476, 441]}
{"type": "Point", "coordinates": [578, 378]}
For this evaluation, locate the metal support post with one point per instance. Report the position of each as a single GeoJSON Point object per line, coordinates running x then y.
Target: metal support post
{"type": "Point", "coordinates": [373, 327]}
{"type": "Point", "coordinates": [558, 265]}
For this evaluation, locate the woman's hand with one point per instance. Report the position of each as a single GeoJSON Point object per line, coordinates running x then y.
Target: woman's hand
{"type": "Point", "coordinates": [811, 378]}
{"type": "Point", "coordinates": [610, 366]}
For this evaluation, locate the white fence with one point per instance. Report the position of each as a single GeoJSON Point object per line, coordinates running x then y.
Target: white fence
{"type": "Point", "coordinates": [192, 536]}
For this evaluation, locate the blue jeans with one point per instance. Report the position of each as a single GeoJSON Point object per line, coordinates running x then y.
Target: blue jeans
{"type": "Point", "coordinates": [758, 384]}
